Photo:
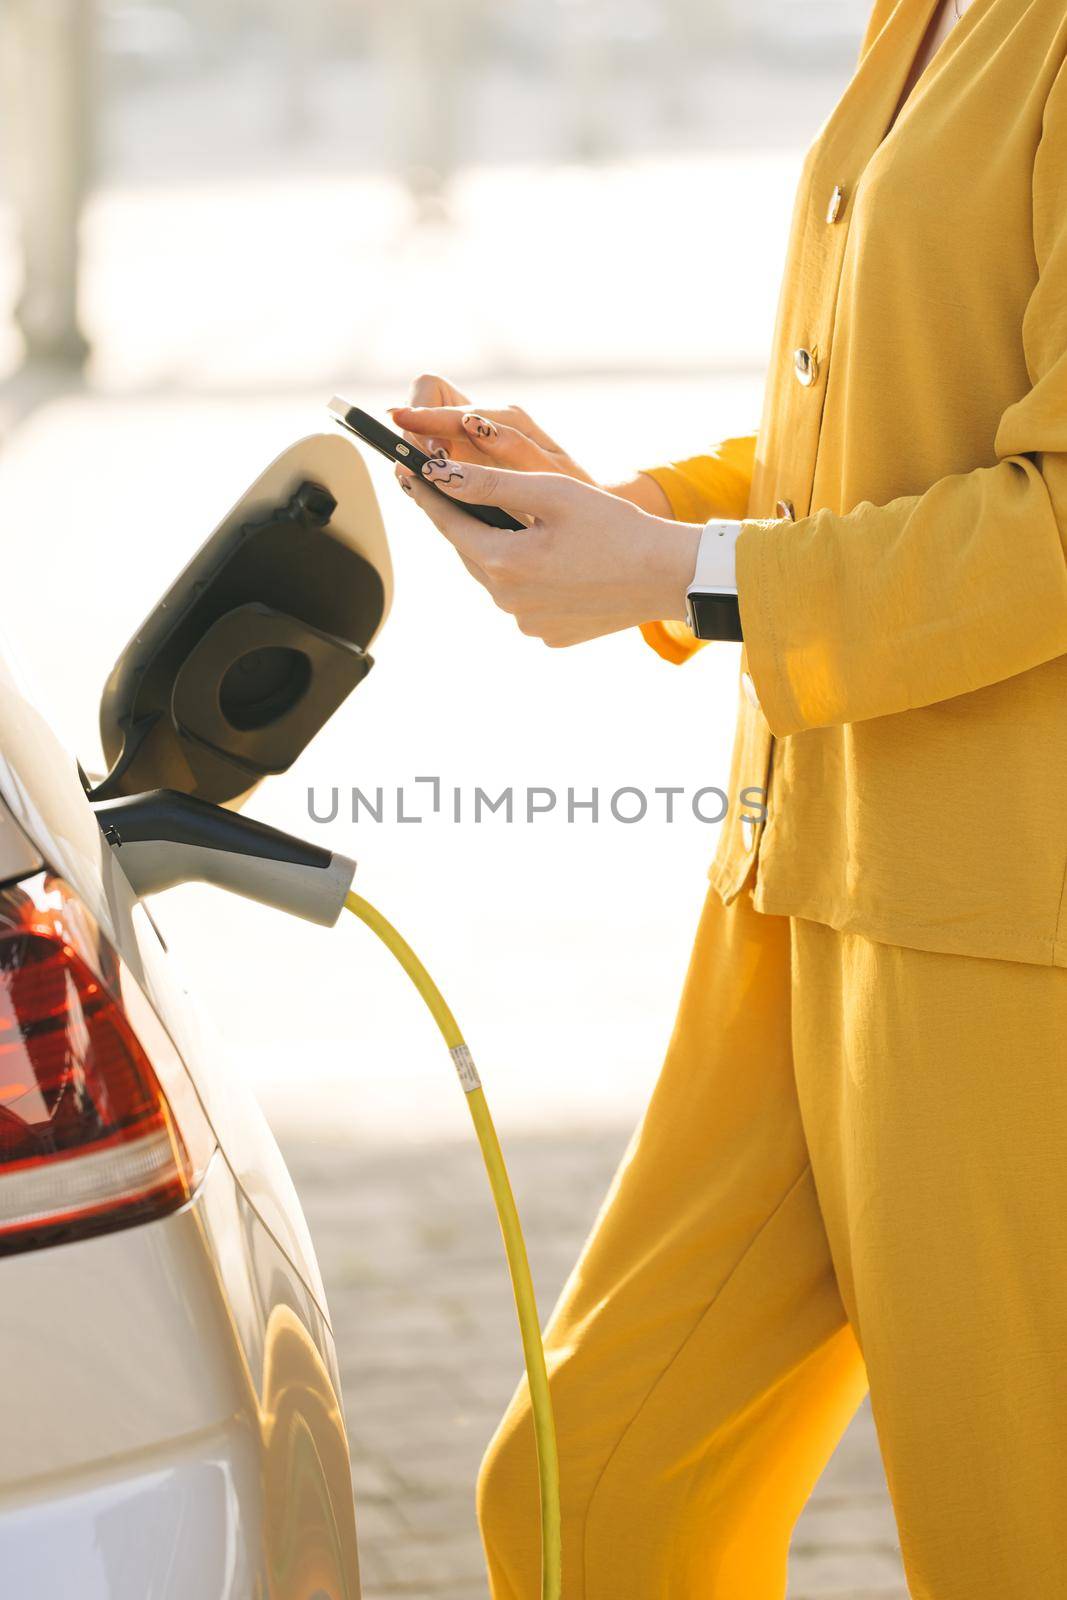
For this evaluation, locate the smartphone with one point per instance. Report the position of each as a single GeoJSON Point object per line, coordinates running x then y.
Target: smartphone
{"type": "Point", "coordinates": [397, 448]}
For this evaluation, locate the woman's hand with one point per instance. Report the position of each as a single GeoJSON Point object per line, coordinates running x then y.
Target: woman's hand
{"type": "Point", "coordinates": [588, 563]}
{"type": "Point", "coordinates": [440, 419]}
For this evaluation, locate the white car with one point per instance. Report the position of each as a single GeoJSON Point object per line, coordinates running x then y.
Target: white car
{"type": "Point", "coordinates": [172, 1419]}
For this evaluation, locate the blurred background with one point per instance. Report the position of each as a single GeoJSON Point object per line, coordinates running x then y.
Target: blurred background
{"type": "Point", "coordinates": [213, 215]}
{"type": "Point", "coordinates": [256, 192]}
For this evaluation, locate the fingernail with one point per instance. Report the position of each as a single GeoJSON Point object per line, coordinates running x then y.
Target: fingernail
{"type": "Point", "coordinates": [481, 427]}
{"type": "Point", "coordinates": [439, 454]}
{"type": "Point", "coordinates": [443, 471]}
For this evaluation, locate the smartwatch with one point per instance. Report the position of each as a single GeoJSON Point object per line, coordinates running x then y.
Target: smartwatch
{"type": "Point", "coordinates": [713, 613]}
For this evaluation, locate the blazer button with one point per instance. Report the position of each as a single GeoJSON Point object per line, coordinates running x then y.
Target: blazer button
{"type": "Point", "coordinates": [837, 200]}
{"type": "Point", "coordinates": [806, 366]}
{"type": "Point", "coordinates": [786, 509]}
{"type": "Point", "coordinates": [749, 689]}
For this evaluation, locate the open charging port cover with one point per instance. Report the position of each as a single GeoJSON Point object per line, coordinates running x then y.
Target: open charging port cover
{"type": "Point", "coordinates": [259, 639]}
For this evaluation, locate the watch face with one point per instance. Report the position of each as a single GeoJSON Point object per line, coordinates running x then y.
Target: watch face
{"type": "Point", "coordinates": [714, 616]}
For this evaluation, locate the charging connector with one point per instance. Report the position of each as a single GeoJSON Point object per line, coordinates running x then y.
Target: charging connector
{"type": "Point", "coordinates": [164, 838]}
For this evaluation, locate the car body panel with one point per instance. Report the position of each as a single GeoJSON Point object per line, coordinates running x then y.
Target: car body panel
{"type": "Point", "coordinates": [187, 1385]}
{"type": "Point", "coordinates": [167, 1527]}
{"type": "Point", "coordinates": [41, 790]}
{"type": "Point", "coordinates": [170, 1391]}
{"type": "Point", "coordinates": [231, 1108]}
{"type": "Point", "coordinates": [18, 858]}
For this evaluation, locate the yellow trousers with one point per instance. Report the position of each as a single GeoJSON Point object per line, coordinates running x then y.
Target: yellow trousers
{"type": "Point", "coordinates": [853, 1171]}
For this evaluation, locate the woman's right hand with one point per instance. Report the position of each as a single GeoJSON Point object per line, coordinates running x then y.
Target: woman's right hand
{"type": "Point", "coordinates": [441, 419]}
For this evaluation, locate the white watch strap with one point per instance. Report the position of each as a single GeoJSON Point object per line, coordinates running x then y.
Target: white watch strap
{"type": "Point", "coordinates": [715, 565]}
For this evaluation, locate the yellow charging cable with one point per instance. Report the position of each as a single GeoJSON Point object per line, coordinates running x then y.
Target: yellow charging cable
{"type": "Point", "coordinates": [514, 1246]}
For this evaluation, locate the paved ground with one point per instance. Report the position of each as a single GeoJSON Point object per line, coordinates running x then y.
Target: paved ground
{"type": "Point", "coordinates": [428, 1348]}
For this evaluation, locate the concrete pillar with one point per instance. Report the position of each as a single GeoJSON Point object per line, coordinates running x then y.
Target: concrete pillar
{"type": "Point", "coordinates": [47, 112]}
{"type": "Point", "coordinates": [429, 52]}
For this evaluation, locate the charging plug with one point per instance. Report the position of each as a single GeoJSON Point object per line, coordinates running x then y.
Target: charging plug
{"type": "Point", "coordinates": [164, 838]}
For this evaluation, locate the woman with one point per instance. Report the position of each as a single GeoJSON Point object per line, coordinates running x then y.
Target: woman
{"type": "Point", "coordinates": [854, 1167]}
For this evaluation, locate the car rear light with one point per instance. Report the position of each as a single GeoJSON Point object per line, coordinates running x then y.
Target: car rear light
{"type": "Point", "coordinates": [100, 1126]}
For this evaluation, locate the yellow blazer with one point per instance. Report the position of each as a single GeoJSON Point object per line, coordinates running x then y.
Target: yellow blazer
{"type": "Point", "coordinates": [905, 655]}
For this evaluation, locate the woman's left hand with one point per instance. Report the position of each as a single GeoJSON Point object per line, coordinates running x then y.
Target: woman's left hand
{"type": "Point", "coordinates": [587, 564]}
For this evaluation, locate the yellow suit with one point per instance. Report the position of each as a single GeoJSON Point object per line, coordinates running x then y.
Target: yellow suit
{"type": "Point", "coordinates": [907, 635]}
{"type": "Point", "coordinates": [853, 1167]}
{"type": "Point", "coordinates": [851, 1170]}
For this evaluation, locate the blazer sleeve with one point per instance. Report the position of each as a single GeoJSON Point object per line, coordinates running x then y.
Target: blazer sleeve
{"type": "Point", "coordinates": [934, 595]}
{"type": "Point", "coordinates": [702, 487]}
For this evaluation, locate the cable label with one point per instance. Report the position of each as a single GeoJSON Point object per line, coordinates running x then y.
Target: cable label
{"type": "Point", "coordinates": [468, 1073]}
